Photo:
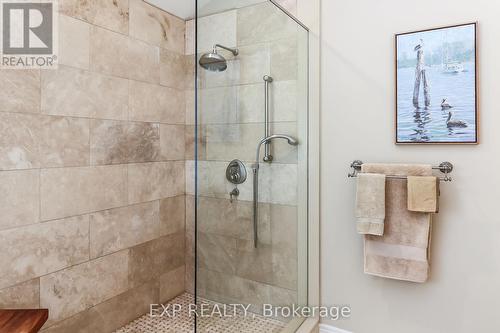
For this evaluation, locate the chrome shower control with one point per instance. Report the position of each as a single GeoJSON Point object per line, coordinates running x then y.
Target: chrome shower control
{"type": "Point", "coordinates": [236, 172]}
{"type": "Point", "coordinates": [234, 193]}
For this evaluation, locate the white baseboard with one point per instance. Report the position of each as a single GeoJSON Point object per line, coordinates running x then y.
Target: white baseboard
{"type": "Point", "coordinates": [323, 328]}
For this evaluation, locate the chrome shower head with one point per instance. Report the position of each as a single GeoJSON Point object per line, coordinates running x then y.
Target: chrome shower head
{"type": "Point", "coordinates": [215, 62]}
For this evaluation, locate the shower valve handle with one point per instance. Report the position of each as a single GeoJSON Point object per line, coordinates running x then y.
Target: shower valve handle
{"type": "Point", "coordinates": [233, 193]}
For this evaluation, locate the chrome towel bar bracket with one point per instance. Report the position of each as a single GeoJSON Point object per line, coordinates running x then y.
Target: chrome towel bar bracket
{"type": "Point", "coordinates": [444, 167]}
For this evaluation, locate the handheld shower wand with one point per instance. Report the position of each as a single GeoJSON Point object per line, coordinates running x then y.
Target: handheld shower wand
{"type": "Point", "coordinates": [255, 167]}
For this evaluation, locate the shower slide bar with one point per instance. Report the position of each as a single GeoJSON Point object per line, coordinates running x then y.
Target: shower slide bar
{"type": "Point", "coordinates": [444, 167]}
{"type": "Point", "coordinates": [267, 146]}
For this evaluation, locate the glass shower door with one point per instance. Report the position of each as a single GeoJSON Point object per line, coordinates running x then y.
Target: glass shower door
{"type": "Point", "coordinates": [250, 237]}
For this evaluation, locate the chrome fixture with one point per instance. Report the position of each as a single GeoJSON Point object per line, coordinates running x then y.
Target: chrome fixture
{"type": "Point", "coordinates": [267, 148]}
{"type": "Point", "coordinates": [234, 193]}
{"type": "Point", "coordinates": [255, 167]}
{"type": "Point", "coordinates": [444, 167]}
{"type": "Point", "coordinates": [236, 172]}
{"type": "Point", "coordinates": [215, 62]}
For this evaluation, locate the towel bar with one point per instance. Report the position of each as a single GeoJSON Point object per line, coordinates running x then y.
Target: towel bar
{"type": "Point", "coordinates": [444, 167]}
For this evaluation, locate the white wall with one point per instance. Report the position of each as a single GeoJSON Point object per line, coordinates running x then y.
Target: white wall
{"type": "Point", "coordinates": [463, 294]}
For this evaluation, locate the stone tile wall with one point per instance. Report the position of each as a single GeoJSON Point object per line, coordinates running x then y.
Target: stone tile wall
{"type": "Point", "coordinates": [92, 211]}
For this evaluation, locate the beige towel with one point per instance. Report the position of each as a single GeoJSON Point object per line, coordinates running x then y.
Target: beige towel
{"type": "Point", "coordinates": [370, 204]}
{"type": "Point", "coordinates": [403, 251]}
{"type": "Point", "coordinates": [423, 194]}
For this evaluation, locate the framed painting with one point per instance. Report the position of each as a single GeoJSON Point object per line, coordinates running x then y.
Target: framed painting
{"type": "Point", "coordinates": [436, 86]}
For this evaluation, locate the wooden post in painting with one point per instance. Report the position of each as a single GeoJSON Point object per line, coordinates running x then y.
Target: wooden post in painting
{"type": "Point", "coordinates": [420, 76]}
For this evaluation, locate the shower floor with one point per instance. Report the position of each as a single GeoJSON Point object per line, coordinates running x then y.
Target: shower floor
{"type": "Point", "coordinates": [183, 323]}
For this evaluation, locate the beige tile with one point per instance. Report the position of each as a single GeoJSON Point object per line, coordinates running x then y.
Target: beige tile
{"type": "Point", "coordinates": [189, 139]}
{"type": "Point", "coordinates": [234, 220]}
{"type": "Point", "coordinates": [173, 142]}
{"type": "Point", "coordinates": [74, 42]}
{"type": "Point", "coordinates": [116, 229]}
{"type": "Point", "coordinates": [263, 23]}
{"type": "Point", "coordinates": [146, 102]}
{"type": "Point", "coordinates": [143, 142]}
{"type": "Point", "coordinates": [254, 63]}
{"type": "Point", "coordinates": [156, 26]}
{"type": "Point", "coordinates": [190, 67]}
{"type": "Point", "coordinates": [172, 215]}
{"type": "Point", "coordinates": [73, 191]}
{"type": "Point", "coordinates": [189, 283]}
{"type": "Point", "coordinates": [31, 141]}
{"type": "Point", "coordinates": [250, 108]}
{"type": "Point", "coordinates": [281, 183]}
{"type": "Point", "coordinates": [108, 142]}
{"type": "Point", "coordinates": [64, 141]}
{"type": "Point", "coordinates": [143, 61]}
{"type": "Point", "coordinates": [230, 141]}
{"type": "Point", "coordinates": [19, 141]}
{"type": "Point", "coordinates": [121, 310]}
{"type": "Point", "coordinates": [190, 37]}
{"type": "Point", "coordinates": [111, 14]}
{"type": "Point", "coordinates": [115, 54]}
{"type": "Point", "coordinates": [284, 268]}
{"type": "Point", "coordinates": [114, 142]}
{"type": "Point", "coordinates": [254, 264]}
{"type": "Point", "coordinates": [283, 103]}
{"type": "Point", "coordinates": [74, 92]}
{"type": "Point", "coordinates": [190, 107]}
{"type": "Point", "coordinates": [39, 249]}
{"type": "Point", "coordinates": [25, 295]}
{"type": "Point", "coordinates": [154, 103]}
{"type": "Point", "coordinates": [150, 260]}
{"type": "Point", "coordinates": [282, 296]}
{"type": "Point", "coordinates": [152, 181]}
{"type": "Point", "coordinates": [78, 323]}
{"type": "Point", "coordinates": [67, 292]}
{"type": "Point", "coordinates": [284, 59]}
{"type": "Point", "coordinates": [214, 29]}
{"type": "Point", "coordinates": [111, 314]}
{"type": "Point", "coordinates": [219, 105]}
{"type": "Point", "coordinates": [173, 71]}
{"type": "Point", "coordinates": [217, 253]}
{"type": "Point", "coordinates": [284, 226]}
{"type": "Point", "coordinates": [20, 199]}
{"type": "Point", "coordinates": [20, 90]}
{"type": "Point", "coordinates": [229, 288]}
{"type": "Point", "coordinates": [172, 284]}
{"type": "Point", "coordinates": [109, 52]}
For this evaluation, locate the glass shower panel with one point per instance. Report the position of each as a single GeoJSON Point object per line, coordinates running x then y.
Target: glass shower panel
{"type": "Point", "coordinates": [259, 262]}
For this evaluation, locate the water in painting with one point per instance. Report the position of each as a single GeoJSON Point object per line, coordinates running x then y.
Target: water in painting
{"type": "Point", "coordinates": [436, 86]}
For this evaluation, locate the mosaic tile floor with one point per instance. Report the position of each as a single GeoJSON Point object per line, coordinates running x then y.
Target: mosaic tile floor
{"type": "Point", "coordinates": [183, 323]}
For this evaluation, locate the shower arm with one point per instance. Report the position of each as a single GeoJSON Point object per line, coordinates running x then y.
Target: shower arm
{"type": "Point", "coordinates": [255, 169]}
{"type": "Point", "coordinates": [233, 51]}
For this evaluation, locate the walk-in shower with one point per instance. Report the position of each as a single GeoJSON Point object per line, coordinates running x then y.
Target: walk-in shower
{"type": "Point", "coordinates": [250, 233]}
